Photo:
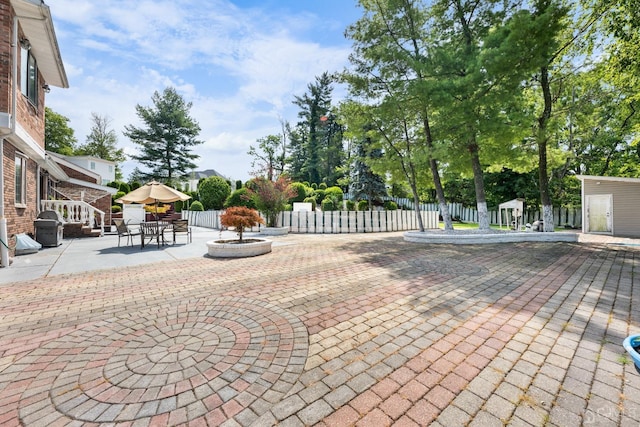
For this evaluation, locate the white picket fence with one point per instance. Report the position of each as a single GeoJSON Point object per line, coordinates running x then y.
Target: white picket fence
{"type": "Point", "coordinates": [562, 216]}
{"type": "Point", "coordinates": [332, 222]}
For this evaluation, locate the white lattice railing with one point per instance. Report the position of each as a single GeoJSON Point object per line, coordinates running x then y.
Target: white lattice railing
{"type": "Point", "coordinates": [70, 211]}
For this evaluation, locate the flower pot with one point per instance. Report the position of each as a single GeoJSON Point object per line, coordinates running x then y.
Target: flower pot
{"type": "Point", "coordinates": [274, 231]}
{"type": "Point", "coordinates": [235, 249]}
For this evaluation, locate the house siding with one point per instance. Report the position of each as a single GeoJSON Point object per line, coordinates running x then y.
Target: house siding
{"type": "Point", "coordinates": [625, 207]}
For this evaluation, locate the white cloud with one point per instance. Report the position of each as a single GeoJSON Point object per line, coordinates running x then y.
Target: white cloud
{"type": "Point", "coordinates": [239, 67]}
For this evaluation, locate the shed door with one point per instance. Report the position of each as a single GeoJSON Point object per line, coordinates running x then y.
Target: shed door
{"type": "Point", "coordinates": [599, 213]}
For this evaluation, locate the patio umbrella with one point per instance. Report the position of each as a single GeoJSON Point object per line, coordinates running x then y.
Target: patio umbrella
{"type": "Point", "coordinates": [153, 192]}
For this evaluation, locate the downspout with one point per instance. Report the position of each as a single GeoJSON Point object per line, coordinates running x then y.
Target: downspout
{"type": "Point", "coordinates": [4, 247]}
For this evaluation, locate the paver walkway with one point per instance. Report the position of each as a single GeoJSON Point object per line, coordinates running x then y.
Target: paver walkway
{"type": "Point", "coordinates": [340, 330]}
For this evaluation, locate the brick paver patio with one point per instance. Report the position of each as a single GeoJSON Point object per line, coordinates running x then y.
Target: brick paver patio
{"type": "Point", "coordinates": [330, 330]}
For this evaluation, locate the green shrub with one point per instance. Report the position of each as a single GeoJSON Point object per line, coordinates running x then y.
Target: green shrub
{"type": "Point", "coordinates": [319, 195]}
{"type": "Point", "coordinates": [301, 190]}
{"type": "Point", "coordinates": [117, 196]}
{"type": "Point", "coordinates": [196, 206]}
{"type": "Point", "coordinates": [322, 186]}
{"type": "Point", "coordinates": [363, 205]}
{"type": "Point", "coordinates": [240, 197]}
{"type": "Point", "coordinates": [177, 205]}
{"type": "Point", "coordinates": [213, 192]}
{"type": "Point", "coordinates": [390, 205]}
{"type": "Point", "coordinates": [238, 184]}
{"type": "Point", "coordinates": [116, 209]}
{"type": "Point", "coordinates": [311, 200]}
{"type": "Point", "coordinates": [328, 205]}
{"type": "Point", "coordinates": [124, 187]}
{"type": "Point", "coordinates": [351, 205]}
{"type": "Point", "coordinates": [335, 194]}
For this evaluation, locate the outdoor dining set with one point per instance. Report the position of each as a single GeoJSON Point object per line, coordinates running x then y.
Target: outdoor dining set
{"type": "Point", "coordinates": [152, 193]}
{"type": "Point", "coordinates": [152, 230]}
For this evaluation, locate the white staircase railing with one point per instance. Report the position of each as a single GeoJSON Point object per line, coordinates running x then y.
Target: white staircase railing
{"type": "Point", "coordinates": [71, 211]}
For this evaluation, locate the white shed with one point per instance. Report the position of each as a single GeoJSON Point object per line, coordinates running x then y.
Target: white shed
{"type": "Point", "coordinates": [513, 211]}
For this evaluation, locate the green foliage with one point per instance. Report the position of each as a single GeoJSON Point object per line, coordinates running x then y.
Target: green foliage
{"type": "Point", "coordinates": [301, 192]}
{"type": "Point", "coordinates": [269, 156]}
{"type": "Point", "coordinates": [390, 205]}
{"type": "Point", "coordinates": [238, 184]}
{"type": "Point", "coordinates": [102, 143]}
{"type": "Point", "coordinates": [118, 195]}
{"type": "Point", "coordinates": [319, 195]}
{"type": "Point", "coordinates": [178, 205]}
{"type": "Point", "coordinates": [351, 205]}
{"type": "Point", "coordinates": [328, 205]}
{"type": "Point", "coordinates": [123, 186]}
{"type": "Point", "coordinates": [335, 194]}
{"type": "Point", "coordinates": [167, 138]}
{"type": "Point", "coordinates": [58, 136]}
{"type": "Point", "coordinates": [116, 209]}
{"type": "Point", "coordinates": [311, 200]}
{"type": "Point", "coordinates": [196, 206]}
{"type": "Point", "coordinates": [213, 192]}
{"type": "Point", "coordinates": [363, 205]}
{"type": "Point", "coordinates": [322, 186]}
{"type": "Point", "coordinates": [271, 197]}
{"type": "Point", "coordinates": [240, 197]}
{"type": "Point", "coordinates": [114, 184]}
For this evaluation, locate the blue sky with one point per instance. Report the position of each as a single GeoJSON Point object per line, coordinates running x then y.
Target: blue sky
{"type": "Point", "coordinates": [239, 62]}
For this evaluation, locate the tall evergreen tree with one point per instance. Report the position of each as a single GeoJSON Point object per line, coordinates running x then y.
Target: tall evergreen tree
{"type": "Point", "coordinates": [168, 137]}
{"type": "Point", "coordinates": [102, 143]}
{"type": "Point", "coordinates": [364, 182]}
{"type": "Point", "coordinates": [314, 104]}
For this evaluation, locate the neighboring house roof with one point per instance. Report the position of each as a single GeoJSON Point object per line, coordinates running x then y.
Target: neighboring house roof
{"type": "Point", "coordinates": [37, 26]}
{"type": "Point", "coordinates": [78, 190]}
{"type": "Point", "coordinates": [89, 158]}
{"type": "Point", "coordinates": [102, 189]}
{"type": "Point", "coordinates": [62, 160]}
{"type": "Point", "coordinates": [204, 174]}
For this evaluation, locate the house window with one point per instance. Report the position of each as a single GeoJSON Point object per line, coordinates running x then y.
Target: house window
{"type": "Point", "coordinates": [29, 76]}
{"type": "Point", "coordinates": [110, 168]}
{"type": "Point", "coordinates": [92, 165]}
{"type": "Point", "coordinates": [21, 180]}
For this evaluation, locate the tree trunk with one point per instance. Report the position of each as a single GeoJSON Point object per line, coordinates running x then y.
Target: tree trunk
{"type": "Point", "coordinates": [437, 182]}
{"type": "Point", "coordinates": [478, 180]}
{"type": "Point", "coordinates": [541, 136]}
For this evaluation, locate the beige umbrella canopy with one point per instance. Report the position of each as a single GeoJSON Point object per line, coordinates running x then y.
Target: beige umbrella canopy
{"type": "Point", "coordinates": [153, 192]}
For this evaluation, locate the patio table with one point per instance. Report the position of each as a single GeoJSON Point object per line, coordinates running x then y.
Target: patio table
{"type": "Point", "coordinates": [153, 230]}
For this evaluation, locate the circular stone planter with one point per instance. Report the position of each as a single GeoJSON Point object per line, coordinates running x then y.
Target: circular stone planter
{"type": "Point", "coordinates": [233, 249]}
{"type": "Point", "coordinates": [274, 231]}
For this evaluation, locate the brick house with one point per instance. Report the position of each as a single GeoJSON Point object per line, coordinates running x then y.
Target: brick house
{"type": "Point", "coordinates": [30, 62]}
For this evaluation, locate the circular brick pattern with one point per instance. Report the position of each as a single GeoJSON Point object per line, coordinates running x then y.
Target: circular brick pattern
{"type": "Point", "coordinates": [450, 267]}
{"type": "Point", "coordinates": [183, 361]}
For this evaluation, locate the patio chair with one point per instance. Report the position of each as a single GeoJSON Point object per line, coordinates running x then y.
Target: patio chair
{"type": "Point", "coordinates": [181, 226]}
{"type": "Point", "coordinates": [123, 230]}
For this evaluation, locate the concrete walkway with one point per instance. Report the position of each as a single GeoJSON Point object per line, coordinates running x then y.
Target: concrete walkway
{"type": "Point", "coordinates": [329, 330]}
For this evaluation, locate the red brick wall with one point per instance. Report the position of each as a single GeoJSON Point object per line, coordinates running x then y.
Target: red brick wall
{"type": "Point", "coordinates": [5, 55]}
{"type": "Point", "coordinates": [19, 220]}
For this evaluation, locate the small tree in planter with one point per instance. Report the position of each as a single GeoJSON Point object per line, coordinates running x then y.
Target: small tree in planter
{"type": "Point", "coordinates": [271, 197]}
{"type": "Point", "coordinates": [240, 217]}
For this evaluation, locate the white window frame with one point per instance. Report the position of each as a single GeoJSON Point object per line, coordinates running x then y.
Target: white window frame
{"type": "Point", "coordinates": [21, 180]}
